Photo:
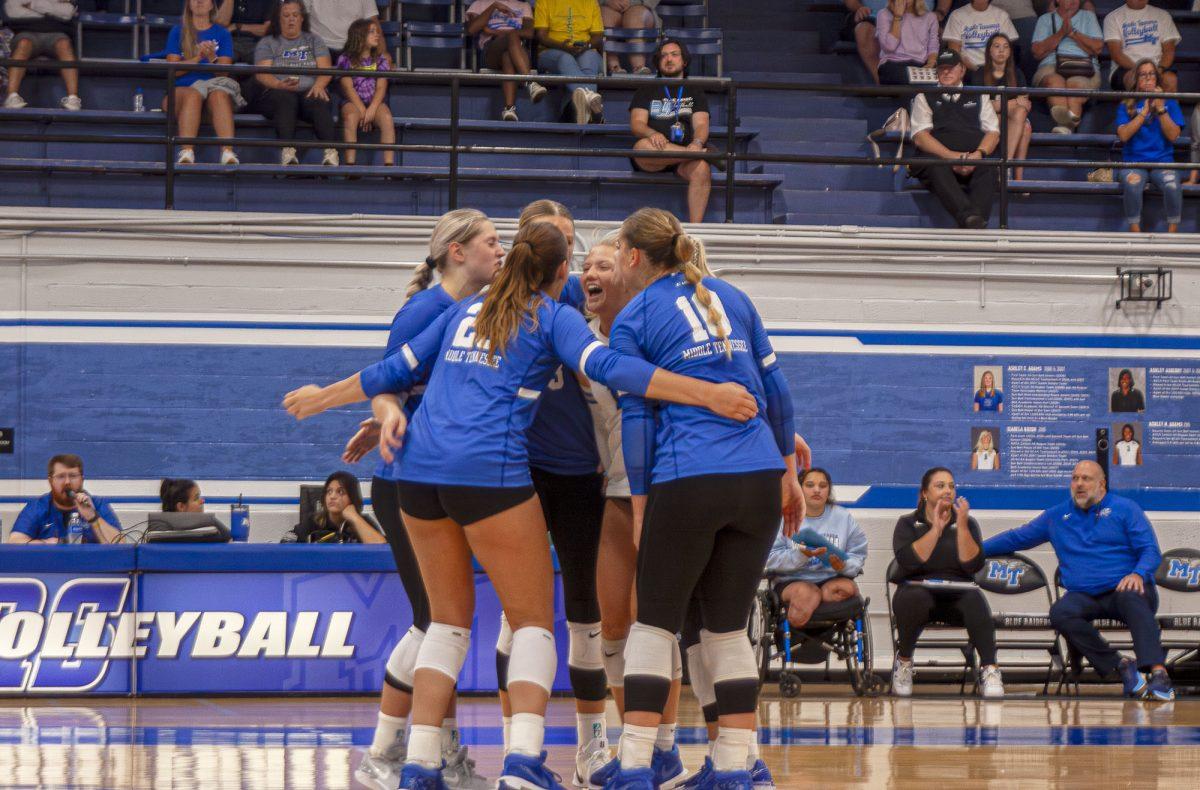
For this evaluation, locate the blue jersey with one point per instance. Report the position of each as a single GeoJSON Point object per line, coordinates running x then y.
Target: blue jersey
{"type": "Point", "coordinates": [561, 439]}
{"type": "Point", "coordinates": [40, 519]}
{"type": "Point", "coordinates": [470, 428]}
{"type": "Point", "coordinates": [665, 324]}
{"type": "Point", "coordinates": [421, 310]}
{"type": "Point", "coordinates": [987, 402]}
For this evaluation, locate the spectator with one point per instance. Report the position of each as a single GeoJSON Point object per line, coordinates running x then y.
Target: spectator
{"type": "Point", "coordinates": [940, 542]}
{"type": "Point", "coordinates": [331, 20]}
{"type": "Point", "coordinates": [201, 40]}
{"type": "Point", "coordinates": [285, 100]}
{"type": "Point", "coordinates": [1139, 31]}
{"type": "Point", "coordinates": [1000, 68]}
{"type": "Point", "coordinates": [366, 106]}
{"type": "Point", "coordinates": [43, 28]}
{"type": "Point", "coordinates": [1127, 451]}
{"type": "Point", "coordinates": [987, 397]}
{"type": "Point", "coordinates": [247, 21]}
{"type": "Point", "coordinates": [631, 14]}
{"type": "Point", "coordinates": [1126, 397]}
{"type": "Point", "coordinates": [907, 36]}
{"type": "Point", "coordinates": [963, 129]}
{"type": "Point", "coordinates": [503, 27]}
{"type": "Point", "coordinates": [1148, 129]}
{"type": "Point", "coordinates": [1066, 42]}
{"type": "Point", "coordinates": [68, 514]}
{"type": "Point", "coordinates": [1023, 14]}
{"type": "Point", "coordinates": [801, 577]}
{"type": "Point", "coordinates": [1107, 556]}
{"type": "Point", "coordinates": [180, 496]}
{"type": "Point", "coordinates": [571, 35]}
{"type": "Point", "coordinates": [968, 29]}
{"type": "Point", "coordinates": [860, 28]}
{"type": "Point", "coordinates": [985, 458]}
{"type": "Point", "coordinates": [340, 518]}
{"type": "Point", "coordinates": [673, 117]}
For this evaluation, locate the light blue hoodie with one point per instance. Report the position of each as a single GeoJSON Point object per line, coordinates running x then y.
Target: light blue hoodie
{"type": "Point", "coordinates": [787, 563]}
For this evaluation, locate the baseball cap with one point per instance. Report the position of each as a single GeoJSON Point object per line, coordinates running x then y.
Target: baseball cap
{"type": "Point", "coordinates": [948, 57]}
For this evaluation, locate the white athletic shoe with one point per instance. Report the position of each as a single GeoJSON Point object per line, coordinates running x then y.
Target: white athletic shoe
{"type": "Point", "coordinates": [186, 157]}
{"type": "Point", "coordinates": [537, 92]}
{"type": "Point", "coordinates": [330, 157]}
{"type": "Point", "coordinates": [990, 683]}
{"type": "Point", "coordinates": [509, 114]}
{"type": "Point", "coordinates": [14, 102]}
{"type": "Point", "coordinates": [595, 103]}
{"type": "Point", "coordinates": [459, 772]}
{"type": "Point", "coordinates": [379, 773]}
{"type": "Point", "coordinates": [579, 103]}
{"type": "Point", "coordinates": [228, 157]}
{"type": "Point", "coordinates": [287, 156]}
{"type": "Point", "coordinates": [902, 678]}
{"type": "Point", "coordinates": [72, 103]}
{"type": "Point", "coordinates": [590, 758]}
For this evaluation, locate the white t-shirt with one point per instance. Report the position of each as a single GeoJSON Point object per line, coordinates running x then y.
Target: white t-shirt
{"type": "Point", "coordinates": [985, 460]}
{"type": "Point", "coordinates": [1141, 33]}
{"type": "Point", "coordinates": [974, 28]}
{"type": "Point", "coordinates": [1017, 9]}
{"type": "Point", "coordinates": [1127, 452]}
{"type": "Point", "coordinates": [331, 19]}
{"type": "Point", "coordinates": [606, 421]}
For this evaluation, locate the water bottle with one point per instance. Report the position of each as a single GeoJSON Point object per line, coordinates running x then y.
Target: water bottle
{"type": "Point", "coordinates": [75, 528]}
{"type": "Point", "coordinates": [139, 101]}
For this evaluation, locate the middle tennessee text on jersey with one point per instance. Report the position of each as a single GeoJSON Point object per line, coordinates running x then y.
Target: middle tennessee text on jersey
{"type": "Point", "coordinates": [667, 325]}
{"type": "Point", "coordinates": [471, 426]}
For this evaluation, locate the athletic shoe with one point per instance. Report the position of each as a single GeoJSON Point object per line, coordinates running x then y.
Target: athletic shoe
{"type": "Point", "coordinates": [616, 71]}
{"type": "Point", "coordinates": [1159, 688]}
{"type": "Point", "coordinates": [605, 772]}
{"type": "Point", "coordinates": [760, 775]}
{"type": "Point", "coordinates": [537, 91]}
{"type": "Point", "coordinates": [902, 678]}
{"type": "Point", "coordinates": [72, 103]}
{"type": "Point", "coordinates": [730, 780]}
{"type": "Point", "coordinates": [1063, 116]}
{"type": "Point", "coordinates": [591, 760]}
{"type": "Point", "coordinates": [287, 156]}
{"type": "Point", "coordinates": [1061, 130]}
{"type": "Point", "coordinates": [1133, 681]}
{"type": "Point", "coordinates": [701, 778]}
{"type": "Point", "coordinates": [522, 772]}
{"type": "Point", "coordinates": [186, 157]}
{"type": "Point", "coordinates": [579, 103]}
{"type": "Point", "coordinates": [595, 103]}
{"type": "Point", "coordinates": [642, 71]}
{"type": "Point", "coordinates": [418, 777]}
{"type": "Point", "coordinates": [458, 771]}
{"type": "Point", "coordinates": [509, 113]}
{"type": "Point", "coordinates": [990, 683]}
{"type": "Point", "coordinates": [330, 157]}
{"type": "Point", "coordinates": [378, 773]}
{"type": "Point", "coordinates": [668, 768]}
{"type": "Point", "coordinates": [631, 779]}
{"type": "Point", "coordinates": [228, 157]}
{"type": "Point", "coordinates": [14, 102]}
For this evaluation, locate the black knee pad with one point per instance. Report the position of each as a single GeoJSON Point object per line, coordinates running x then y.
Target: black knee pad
{"type": "Point", "coordinates": [502, 671]}
{"type": "Point", "coordinates": [590, 685]}
{"type": "Point", "coordinates": [736, 696]}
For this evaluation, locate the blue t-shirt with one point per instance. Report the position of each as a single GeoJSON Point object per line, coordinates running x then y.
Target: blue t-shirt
{"type": "Point", "coordinates": [214, 33]}
{"type": "Point", "coordinates": [1149, 144]}
{"type": "Point", "coordinates": [470, 428]}
{"type": "Point", "coordinates": [987, 402]}
{"type": "Point", "coordinates": [666, 325]}
{"type": "Point", "coordinates": [1083, 21]}
{"type": "Point", "coordinates": [40, 519]}
{"type": "Point", "coordinates": [421, 310]}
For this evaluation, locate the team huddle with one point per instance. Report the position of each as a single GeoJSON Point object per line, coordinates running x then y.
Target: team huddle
{"type": "Point", "coordinates": [495, 406]}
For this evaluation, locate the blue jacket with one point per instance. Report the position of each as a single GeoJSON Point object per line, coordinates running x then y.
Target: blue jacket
{"type": "Point", "coordinates": [1096, 548]}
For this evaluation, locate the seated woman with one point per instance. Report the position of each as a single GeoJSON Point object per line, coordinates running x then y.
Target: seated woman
{"type": "Point", "coordinates": [804, 578]}
{"type": "Point", "coordinates": [907, 36]}
{"type": "Point", "coordinates": [1000, 68]}
{"type": "Point", "coordinates": [341, 518]}
{"type": "Point", "coordinates": [1148, 129]}
{"type": "Point", "coordinates": [199, 39]}
{"type": "Point", "coordinates": [180, 496]}
{"type": "Point", "coordinates": [503, 27]}
{"type": "Point", "coordinates": [940, 542]}
{"type": "Point", "coordinates": [1066, 43]}
{"type": "Point", "coordinates": [630, 14]}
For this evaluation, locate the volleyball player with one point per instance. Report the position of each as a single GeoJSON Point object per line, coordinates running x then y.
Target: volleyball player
{"type": "Point", "coordinates": [465, 483]}
{"type": "Point", "coordinates": [465, 253]}
{"type": "Point", "coordinates": [715, 489]}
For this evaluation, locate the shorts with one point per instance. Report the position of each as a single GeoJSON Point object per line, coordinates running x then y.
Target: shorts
{"type": "Point", "coordinates": [493, 52]}
{"type": "Point", "coordinates": [43, 42]}
{"type": "Point", "coordinates": [639, 169]}
{"type": "Point", "coordinates": [463, 505]}
{"type": "Point", "coordinates": [847, 31]}
{"type": "Point", "coordinates": [226, 84]}
{"type": "Point", "coordinates": [1092, 83]}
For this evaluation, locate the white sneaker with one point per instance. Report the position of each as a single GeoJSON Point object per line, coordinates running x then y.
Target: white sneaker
{"type": "Point", "coordinates": [509, 114]}
{"type": "Point", "coordinates": [72, 103]}
{"type": "Point", "coordinates": [14, 102]}
{"type": "Point", "coordinates": [595, 103]}
{"type": "Point", "coordinates": [1063, 116]}
{"type": "Point", "coordinates": [330, 158]}
{"type": "Point", "coordinates": [379, 773]}
{"type": "Point", "coordinates": [579, 103]}
{"type": "Point", "coordinates": [228, 157]}
{"type": "Point", "coordinates": [186, 157]}
{"type": "Point", "coordinates": [1061, 130]}
{"type": "Point", "coordinates": [287, 156]}
{"type": "Point", "coordinates": [590, 758]}
{"type": "Point", "coordinates": [537, 92]}
{"type": "Point", "coordinates": [990, 683]}
{"type": "Point", "coordinates": [459, 772]}
{"type": "Point", "coordinates": [902, 678]}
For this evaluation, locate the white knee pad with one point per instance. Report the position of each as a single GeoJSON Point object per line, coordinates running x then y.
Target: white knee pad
{"type": "Point", "coordinates": [583, 650]}
{"type": "Point", "coordinates": [504, 642]}
{"type": "Point", "coordinates": [444, 649]}
{"type": "Point", "coordinates": [613, 651]}
{"type": "Point", "coordinates": [534, 658]}
{"type": "Point", "coordinates": [402, 663]}
{"type": "Point", "coordinates": [728, 656]}
{"type": "Point", "coordinates": [702, 685]}
{"type": "Point", "coordinates": [650, 651]}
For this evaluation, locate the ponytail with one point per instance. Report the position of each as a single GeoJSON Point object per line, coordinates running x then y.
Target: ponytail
{"type": "Point", "coordinates": [455, 227]}
{"type": "Point", "coordinates": [532, 263]}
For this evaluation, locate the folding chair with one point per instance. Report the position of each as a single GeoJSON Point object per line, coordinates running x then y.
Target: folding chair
{"type": "Point", "coordinates": [434, 35]}
{"type": "Point", "coordinates": [940, 642]}
{"type": "Point", "coordinates": [1179, 572]}
{"type": "Point", "coordinates": [1017, 575]}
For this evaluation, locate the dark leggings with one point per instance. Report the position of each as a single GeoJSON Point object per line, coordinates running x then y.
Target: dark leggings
{"type": "Point", "coordinates": [385, 501]}
{"type": "Point", "coordinates": [915, 607]}
{"type": "Point", "coordinates": [574, 509]}
{"type": "Point", "coordinates": [285, 107]}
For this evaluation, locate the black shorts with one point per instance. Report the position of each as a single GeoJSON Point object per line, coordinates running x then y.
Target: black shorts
{"type": "Point", "coordinates": [847, 31]}
{"type": "Point", "coordinates": [464, 505]}
{"type": "Point", "coordinates": [639, 169]}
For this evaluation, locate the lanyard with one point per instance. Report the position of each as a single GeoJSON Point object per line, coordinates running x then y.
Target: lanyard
{"type": "Point", "coordinates": [678, 101]}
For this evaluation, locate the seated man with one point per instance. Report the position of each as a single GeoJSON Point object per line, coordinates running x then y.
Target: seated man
{"type": "Point", "coordinates": [67, 514]}
{"type": "Point", "coordinates": [247, 20]}
{"type": "Point", "coordinates": [961, 129]}
{"type": "Point", "coordinates": [1107, 556]}
{"type": "Point", "coordinates": [571, 36]}
{"type": "Point", "coordinates": [860, 28]}
{"type": "Point", "coordinates": [673, 117]}
{"type": "Point", "coordinates": [331, 20]}
{"type": "Point", "coordinates": [43, 28]}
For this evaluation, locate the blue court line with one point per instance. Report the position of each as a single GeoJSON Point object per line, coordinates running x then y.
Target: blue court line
{"type": "Point", "coordinates": [565, 736]}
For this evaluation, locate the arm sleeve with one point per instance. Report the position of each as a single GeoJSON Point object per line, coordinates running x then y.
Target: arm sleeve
{"type": "Point", "coordinates": [1176, 113]}
{"type": "Point", "coordinates": [224, 42]}
{"type": "Point", "coordinates": [902, 539]}
{"type": "Point", "coordinates": [883, 31]}
{"type": "Point", "coordinates": [780, 411]}
{"type": "Point", "coordinates": [173, 42]}
{"type": "Point", "coordinates": [1170, 32]}
{"type": "Point", "coordinates": [1143, 541]}
{"type": "Point", "coordinates": [541, 15]}
{"type": "Point", "coordinates": [579, 350]}
{"type": "Point", "coordinates": [1112, 30]}
{"type": "Point", "coordinates": [785, 556]}
{"type": "Point", "coordinates": [1041, 29]}
{"type": "Point", "coordinates": [637, 418]}
{"type": "Point", "coordinates": [400, 371]}
{"type": "Point", "coordinates": [1006, 26]}
{"type": "Point", "coordinates": [988, 120]}
{"type": "Point", "coordinates": [320, 48]}
{"type": "Point", "coordinates": [856, 549]}
{"type": "Point", "coordinates": [921, 117]}
{"type": "Point", "coordinates": [25, 521]}
{"type": "Point", "coordinates": [105, 511]}
{"type": "Point", "coordinates": [1122, 119]}
{"type": "Point", "coordinates": [973, 565]}
{"type": "Point", "coordinates": [954, 28]}
{"type": "Point", "coordinates": [1035, 533]}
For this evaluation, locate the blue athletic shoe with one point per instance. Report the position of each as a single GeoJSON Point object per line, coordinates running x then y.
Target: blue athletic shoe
{"type": "Point", "coordinates": [701, 778]}
{"type": "Point", "coordinates": [418, 777]}
{"type": "Point", "coordinates": [1133, 681]}
{"type": "Point", "coordinates": [631, 779]}
{"type": "Point", "coordinates": [601, 776]}
{"type": "Point", "coordinates": [731, 780]}
{"type": "Point", "coordinates": [1159, 688]}
{"type": "Point", "coordinates": [522, 772]}
{"type": "Point", "coordinates": [668, 769]}
{"type": "Point", "coordinates": [760, 775]}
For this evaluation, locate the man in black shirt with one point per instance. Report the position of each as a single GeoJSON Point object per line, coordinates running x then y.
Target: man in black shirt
{"type": "Point", "coordinates": [673, 117]}
{"type": "Point", "coordinates": [247, 21]}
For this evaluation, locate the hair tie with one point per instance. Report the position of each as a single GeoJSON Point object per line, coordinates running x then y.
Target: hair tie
{"type": "Point", "coordinates": [430, 262]}
{"type": "Point", "coordinates": [675, 239]}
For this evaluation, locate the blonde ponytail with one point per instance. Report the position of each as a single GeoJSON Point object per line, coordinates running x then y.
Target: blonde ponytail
{"type": "Point", "coordinates": [454, 227]}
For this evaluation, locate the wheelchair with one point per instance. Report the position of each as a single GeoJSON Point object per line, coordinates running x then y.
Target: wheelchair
{"type": "Point", "coordinates": [841, 629]}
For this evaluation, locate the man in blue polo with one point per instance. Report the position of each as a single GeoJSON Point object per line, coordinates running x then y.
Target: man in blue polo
{"type": "Point", "coordinates": [48, 518]}
{"type": "Point", "coordinates": [1107, 555]}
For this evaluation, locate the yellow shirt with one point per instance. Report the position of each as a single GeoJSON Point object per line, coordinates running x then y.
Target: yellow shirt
{"type": "Point", "coordinates": [569, 20]}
